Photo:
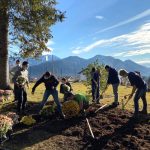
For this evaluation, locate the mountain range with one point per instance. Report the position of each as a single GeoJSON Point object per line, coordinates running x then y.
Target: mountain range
{"type": "Point", "coordinates": [72, 65]}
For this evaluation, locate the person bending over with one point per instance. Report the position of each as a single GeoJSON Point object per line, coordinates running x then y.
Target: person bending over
{"type": "Point", "coordinates": [139, 88]}
{"type": "Point", "coordinates": [65, 87]}
{"type": "Point", "coordinates": [51, 84]}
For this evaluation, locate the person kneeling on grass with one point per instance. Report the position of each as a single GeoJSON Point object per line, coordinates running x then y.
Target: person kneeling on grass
{"type": "Point", "coordinates": [139, 88]}
{"type": "Point", "coordinates": [51, 84]}
{"type": "Point", "coordinates": [80, 99]}
{"type": "Point", "coordinates": [65, 87]}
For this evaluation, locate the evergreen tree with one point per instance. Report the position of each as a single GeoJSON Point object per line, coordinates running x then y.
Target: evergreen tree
{"type": "Point", "coordinates": [28, 24]}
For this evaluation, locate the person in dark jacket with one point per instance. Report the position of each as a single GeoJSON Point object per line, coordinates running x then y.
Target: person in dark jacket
{"type": "Point", "coordinates": [95, 84]}
{"type": "Point", "coordinates": [113, 79]}
{"type": "Point", "coordinates": [139, 88]}
{"type": "Point", "coordinates": [51, 84]}
{"type": "Point", "coordinates": [65, 87]}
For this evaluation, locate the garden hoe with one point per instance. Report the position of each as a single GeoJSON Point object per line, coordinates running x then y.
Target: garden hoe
{"type": "Point", "coordinates": [122, 101]}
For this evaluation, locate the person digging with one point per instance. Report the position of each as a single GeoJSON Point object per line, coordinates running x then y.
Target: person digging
{"type": "Point", "coordinates": [113, 79]}
{"type": "Point", "coordinates": [51, 84]}
{"type": "Point", "coordinates": [95, 85]}
{"type": "Point", "coordinates": [139, 88]}
{"type": "Point", "coordinates": [81, 99]}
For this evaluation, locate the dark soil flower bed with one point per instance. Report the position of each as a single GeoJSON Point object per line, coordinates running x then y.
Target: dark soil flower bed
{"type": "Point", "coordinates": [112, 128]}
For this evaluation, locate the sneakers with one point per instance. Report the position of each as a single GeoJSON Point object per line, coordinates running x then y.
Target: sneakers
{"type": "Point", "coordinates": [144, 112]}
{"type": "Point", "coordinates": [115, 104]}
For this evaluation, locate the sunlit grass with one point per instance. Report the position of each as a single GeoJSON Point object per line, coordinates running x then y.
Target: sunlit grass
{"type": "Point", "coordinates": [81, 88]}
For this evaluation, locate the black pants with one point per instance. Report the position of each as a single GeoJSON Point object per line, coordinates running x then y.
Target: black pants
{"type": "Point", "coordinates": [15, 92]}
{"type": "Point", "coordinates": [21, 96]}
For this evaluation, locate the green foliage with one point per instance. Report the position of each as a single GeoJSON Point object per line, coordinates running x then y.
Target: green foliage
{"type": "Point", "coordinates": [30, 22]}
{"type": "Point", "coordinates": [103, 75]}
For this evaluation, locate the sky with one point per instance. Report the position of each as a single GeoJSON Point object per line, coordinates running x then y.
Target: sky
{"type": "Point", "coordinates": [118, 28]}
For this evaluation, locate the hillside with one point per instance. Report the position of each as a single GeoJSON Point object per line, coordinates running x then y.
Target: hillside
{"type": "Point", "coordinates": [73, 64]}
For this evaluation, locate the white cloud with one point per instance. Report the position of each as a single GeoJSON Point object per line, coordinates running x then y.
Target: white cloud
{"type": "Point", "coordinates": [49, 45]}
{"type": "Point", "coordinates": [137, 17]}
{"type": "Point", "coordinates": [99, 17]}
{"type": "Point", "coordinates": [50, 42]}
{"type": "Point", "coordinates": [138, 42]}
{"type": "Point", "coordinates": [134, 53]}
{"type": "Point", "coordinates": [143, 62]}
{"type": "Point", "coordinates": [119, 54]}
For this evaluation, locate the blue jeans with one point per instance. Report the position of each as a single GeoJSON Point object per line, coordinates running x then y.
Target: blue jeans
{"type": "Point", "coordinates": [140, 93]}
{"type": "Point", "coordinates": [95, 92]}
{"type": "Point", "coordinates": [21, 96]}
{"type": "Point", "coordinates": [115, 91]}
{"type": "Point", "coordinates": [54, 93]}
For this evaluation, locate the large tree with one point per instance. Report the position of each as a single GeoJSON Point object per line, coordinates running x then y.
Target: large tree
{"type": "Point", "coordinates": [27, 22]}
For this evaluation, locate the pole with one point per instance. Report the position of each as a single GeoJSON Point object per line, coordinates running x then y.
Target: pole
{"type": "Point", "coordinates": [91, 132]}
{"type": "Point", "coordinates": [52, 65]}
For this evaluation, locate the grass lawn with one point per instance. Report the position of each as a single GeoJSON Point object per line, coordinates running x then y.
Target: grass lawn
{"type": "Point", "coordinates": [80, 88]}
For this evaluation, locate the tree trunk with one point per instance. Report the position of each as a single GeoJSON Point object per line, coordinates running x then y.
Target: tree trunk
{"type": "Point", "coordinates": [4, 68]}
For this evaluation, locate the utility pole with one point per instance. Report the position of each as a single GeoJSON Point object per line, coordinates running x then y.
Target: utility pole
{"type": "Point", "coordinates": [52, 65]}
{"type": "Point", "coordinates": [46, 57]}
{"type": "Point", "coordinates": [61, 72]}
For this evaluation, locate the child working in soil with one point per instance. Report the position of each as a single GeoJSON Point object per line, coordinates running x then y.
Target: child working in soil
{"type": "Point", "coordinates": [139, 88]}
{"type": "Point", "coordinates": [80, 99]}
{"type": "Point", "coordinates": [65, 87]}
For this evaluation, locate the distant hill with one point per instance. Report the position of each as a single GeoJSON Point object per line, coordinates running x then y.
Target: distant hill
{"type": "Point", "coordinates": [73, 64]}
{"type": "Point", "coordinates": [37, 61]}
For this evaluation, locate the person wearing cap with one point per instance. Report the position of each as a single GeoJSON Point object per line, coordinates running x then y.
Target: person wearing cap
{"type": "Point", "coordinates": [113, 79]}
{"type": "Point", "coordinates": [12, 72]}
{"type": "Point", "coordinates": [21, 80]}
{"type": "Point", "coordinates": [139, 88]}
{"type": "Point", "coordinates": [65, 87]}
{"type": "Point", "coordinates": [95, 84]}
{"type": "Point", "coordinates": [51, 84]}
